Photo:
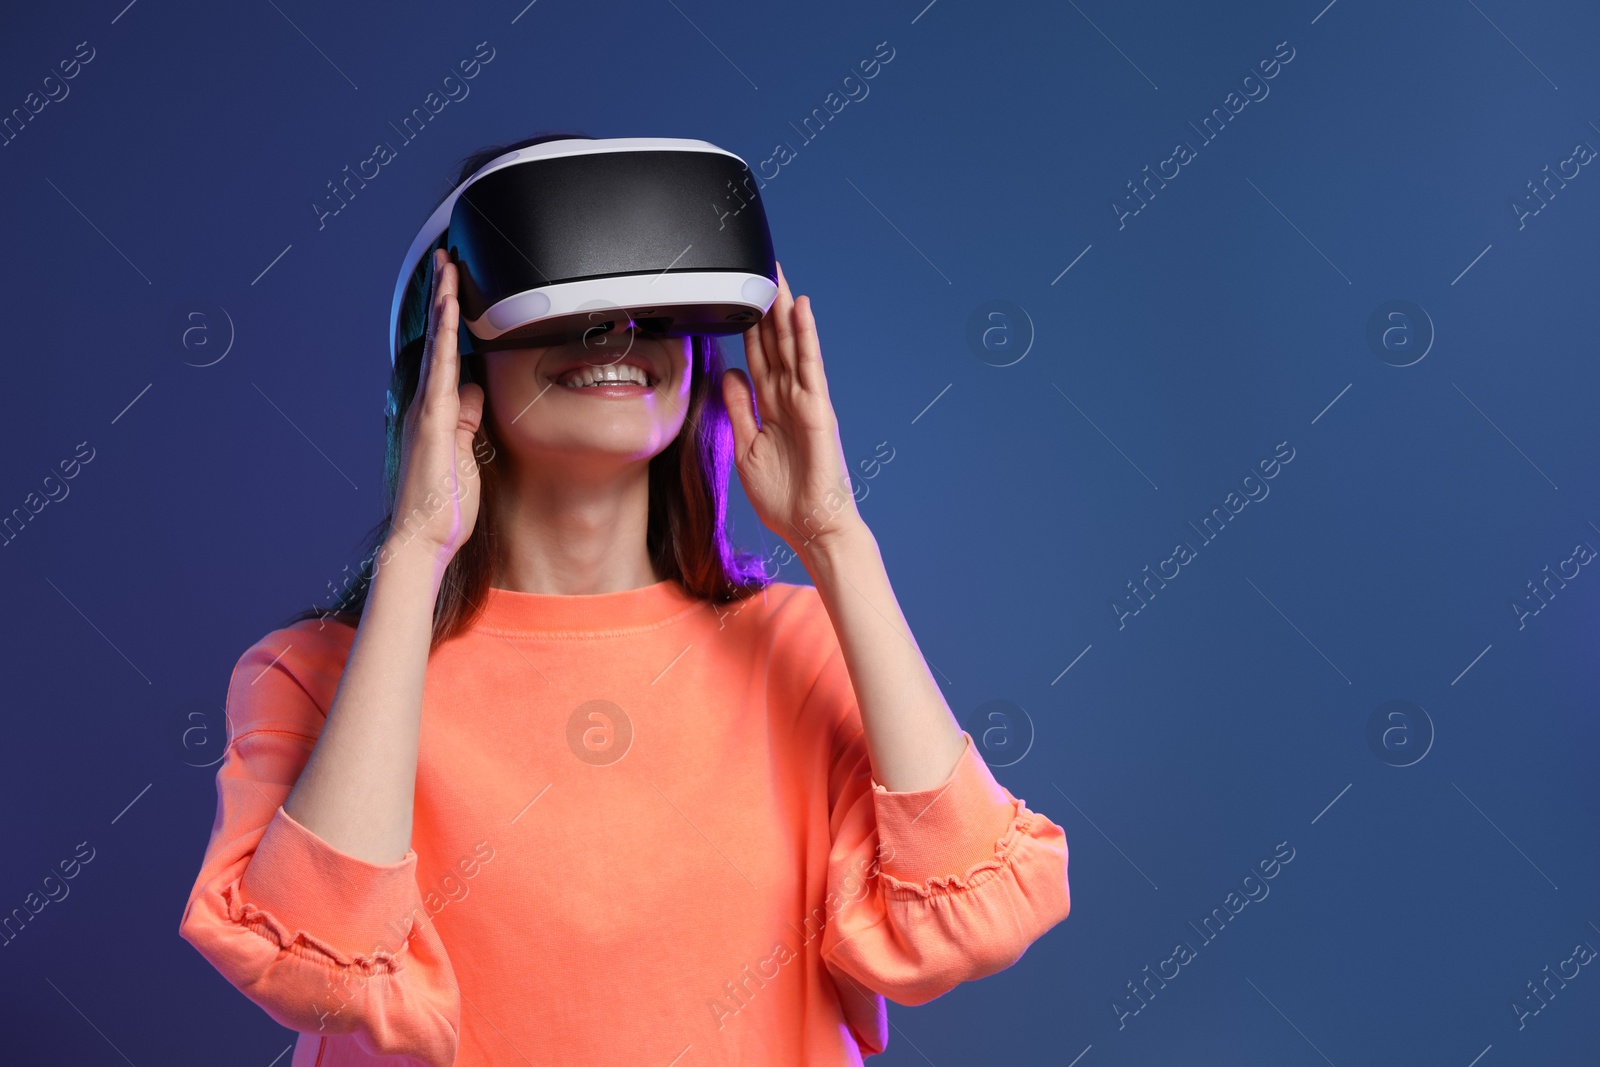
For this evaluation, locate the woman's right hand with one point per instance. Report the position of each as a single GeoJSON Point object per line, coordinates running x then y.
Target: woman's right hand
{"type": "Point", "coordinates": [436, 504]}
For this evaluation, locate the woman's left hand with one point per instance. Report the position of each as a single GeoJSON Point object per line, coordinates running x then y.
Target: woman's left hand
{"type": "Point", "coordinates": [793, 466]}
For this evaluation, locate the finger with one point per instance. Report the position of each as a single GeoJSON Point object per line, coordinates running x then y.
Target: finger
{"type": "Point", "coordinates": [765, 367]}
{"type": "Point", "coordinates": [769, 384]}
{"type": "Point", "coordinates": [428, 331]}
{"type": "Point", "coordinates": [737, 397]}
{"type": "Point", "coordinates": [783, 322]}
{"type": "Point", "coordinates": [444, 379]}
{"type": "Point", "coordinates": [808, 349]}
{"type": "Point", "coordinates": [780, 372]}
{"type": "Point", "coordinates": [771, 357]}
{"type": "Point", "coordinates": [755, 355]}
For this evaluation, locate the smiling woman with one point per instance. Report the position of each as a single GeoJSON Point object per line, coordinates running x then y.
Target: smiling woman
{"type": "Point", "coordinates": [672, 792]}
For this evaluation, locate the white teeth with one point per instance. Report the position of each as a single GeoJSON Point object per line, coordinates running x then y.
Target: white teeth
{"type": "Point", "coordinates": [616, 373]}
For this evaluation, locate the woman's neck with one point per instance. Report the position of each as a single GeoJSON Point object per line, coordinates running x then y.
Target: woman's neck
{"type": "Point", "coordinates": [580, 532]}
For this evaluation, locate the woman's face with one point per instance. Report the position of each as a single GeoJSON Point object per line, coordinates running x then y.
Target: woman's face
{"type": "Point", "coordinates": [622, 395]}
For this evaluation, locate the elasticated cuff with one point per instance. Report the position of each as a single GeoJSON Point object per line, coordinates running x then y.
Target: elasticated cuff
{"type": "Point", "coordinates": [356, 908]}
{"type": "Point", "coordinates": [945, 832]}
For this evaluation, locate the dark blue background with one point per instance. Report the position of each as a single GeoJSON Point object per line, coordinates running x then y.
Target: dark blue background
{"type": "Point", "coordinates": [1174, 355]}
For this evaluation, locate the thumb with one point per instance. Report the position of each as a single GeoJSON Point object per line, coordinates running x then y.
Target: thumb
{"type": "Point", "coordinates": [739, 400]}
{"type": "Point", "coordinates": [471, 416]}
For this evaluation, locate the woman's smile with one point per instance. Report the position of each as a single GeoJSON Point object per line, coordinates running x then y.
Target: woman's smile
{"type": "Point", "coordinates": [630, 375]}
{"type": "Point", "coordinates": [636, 365]}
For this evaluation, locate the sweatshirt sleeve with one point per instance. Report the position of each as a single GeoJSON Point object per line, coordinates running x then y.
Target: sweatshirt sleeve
{"type": "Point", "coordinates": [932, 888]}
{"type": "Point", "coordinates": [324, 942]}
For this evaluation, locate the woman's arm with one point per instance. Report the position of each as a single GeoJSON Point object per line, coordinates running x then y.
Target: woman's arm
{"type": "Point", "coordinates": [356, 791]}
{"type": "Point", "coordinates": [913, 738]}
{"type": "Point", "coordinates": [941, 875]}
{"type": "Point", "coordinates": [324, 942]}
{"type": "Point", "coordinates": [793, 470]}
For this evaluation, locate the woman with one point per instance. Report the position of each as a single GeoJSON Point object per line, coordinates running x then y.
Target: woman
{"type": "Point", "coordinates": [568, 781]}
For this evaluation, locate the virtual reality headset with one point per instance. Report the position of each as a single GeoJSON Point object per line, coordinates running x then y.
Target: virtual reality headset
{"type": "Point", "coordinates": [571, 239]}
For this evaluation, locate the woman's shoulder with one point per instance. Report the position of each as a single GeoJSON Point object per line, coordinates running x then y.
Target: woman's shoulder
{"type": "Point", "coordinates": [803, 597]}
{"type": "Point", "coordinates": [303, 660]}
{"type": "Point", "coordinates": [777, 607]}
{"type": "Point", "coordinates": [805, 665]}
{"type": "Point", "coordinates": [793, 625]}
{"type": "Point", "coordinates": [305, 642]}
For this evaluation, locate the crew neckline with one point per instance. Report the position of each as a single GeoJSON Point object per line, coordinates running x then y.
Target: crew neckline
{"type": "Point", "coordinates": [510, 611]}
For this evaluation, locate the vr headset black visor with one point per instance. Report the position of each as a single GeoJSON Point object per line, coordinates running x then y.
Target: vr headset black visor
{"type": "Point", "coordinates": [570, 239]}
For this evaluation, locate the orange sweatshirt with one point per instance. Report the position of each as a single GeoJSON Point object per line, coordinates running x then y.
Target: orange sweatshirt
{"type": "Point", "coordinates": [645, 831]}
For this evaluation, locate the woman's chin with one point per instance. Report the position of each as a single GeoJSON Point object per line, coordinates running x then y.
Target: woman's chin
{"type": "Point", "coordinates": [618, 440]}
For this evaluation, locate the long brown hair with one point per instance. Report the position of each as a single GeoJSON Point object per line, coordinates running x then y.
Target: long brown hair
{"type": "Point", "coordinates": [686, 532]}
